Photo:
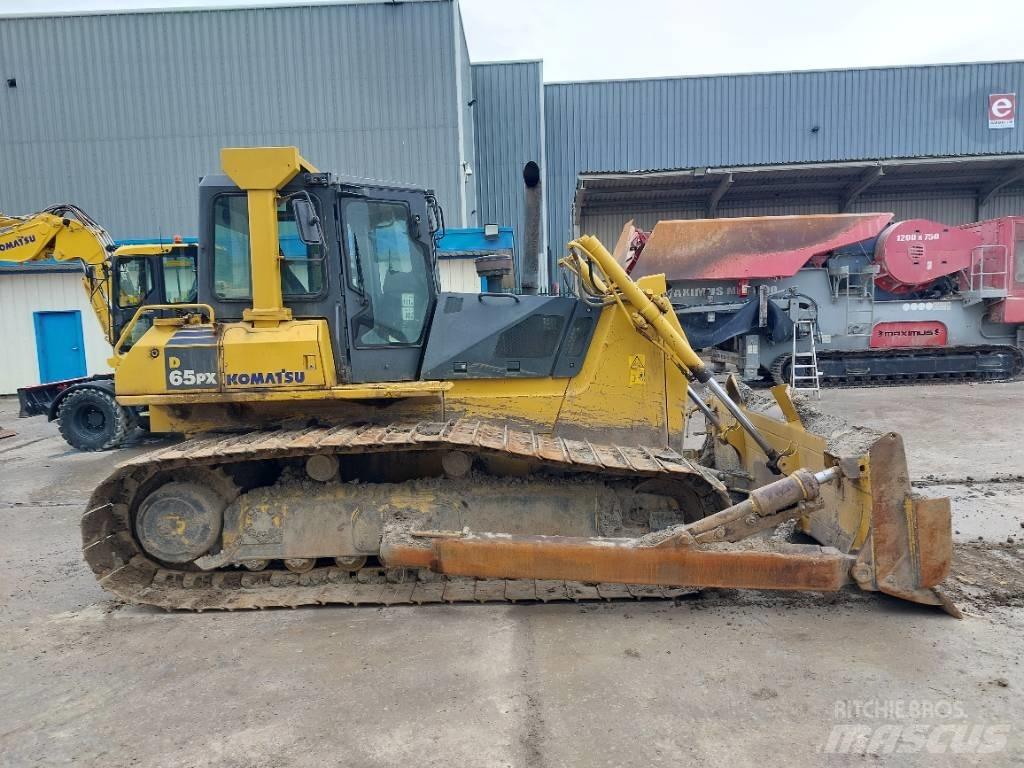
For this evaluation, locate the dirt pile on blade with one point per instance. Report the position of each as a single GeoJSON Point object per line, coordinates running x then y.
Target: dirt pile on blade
{"type": "Point", "coordinates": [844, 439]}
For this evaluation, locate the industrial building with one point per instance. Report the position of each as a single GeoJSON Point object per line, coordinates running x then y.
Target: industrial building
{"type": "Point", "coordinates": [384, 90]}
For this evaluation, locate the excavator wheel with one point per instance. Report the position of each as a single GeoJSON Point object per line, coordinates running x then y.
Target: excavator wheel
{"type": "Point", "coordinates": [91, 420]}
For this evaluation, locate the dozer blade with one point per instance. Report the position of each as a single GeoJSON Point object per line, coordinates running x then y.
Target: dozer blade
{"type": "Point", "coordinates": [906, 553]}
{"type": "Point", "coordinates": [909, 549]}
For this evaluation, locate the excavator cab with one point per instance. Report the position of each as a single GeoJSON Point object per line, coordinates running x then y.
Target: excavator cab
{"type": "Point", "coordinates": [139, 279]}
{"type": "Point", "coordinates": [119, 284]}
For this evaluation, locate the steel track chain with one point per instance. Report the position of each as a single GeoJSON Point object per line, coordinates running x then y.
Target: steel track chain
{"type": "Point", "coordinates": [123, 568]}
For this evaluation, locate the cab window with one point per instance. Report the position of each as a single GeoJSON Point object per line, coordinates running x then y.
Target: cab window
{"type": "Point", "coordinates": [302, 266]}
{"type": "Point", "coordinates": [134, 283]}
{"type": "Point", "coordinates": [390, 269]}
{"type": "Point", "coordinates": [179, 278]}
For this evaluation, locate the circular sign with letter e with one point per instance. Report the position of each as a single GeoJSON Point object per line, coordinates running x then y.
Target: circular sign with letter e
{"type": "Point", "coordinates": [1002, 110]}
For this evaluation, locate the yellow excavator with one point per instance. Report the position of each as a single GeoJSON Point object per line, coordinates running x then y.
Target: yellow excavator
{"type": "Point", "coordinates": [117, 281]}
{"type": "Point", "coordinates": [358, 436]}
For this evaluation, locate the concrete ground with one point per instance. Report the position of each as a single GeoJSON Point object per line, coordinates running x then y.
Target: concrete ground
{"type": "Point", "coordinates": [723, 679]}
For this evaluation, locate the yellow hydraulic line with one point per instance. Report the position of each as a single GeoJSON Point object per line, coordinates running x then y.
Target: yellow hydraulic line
{"type": "Point", "coordinates": [671, 335]}
{"type": "Point", "coordinates": [646, 308]}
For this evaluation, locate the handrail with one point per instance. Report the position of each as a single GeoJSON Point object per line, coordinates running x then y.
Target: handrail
{"type": "Point", "coordinates": [496, 295]}
{"type": "Point", "coordinates": [146, 309]}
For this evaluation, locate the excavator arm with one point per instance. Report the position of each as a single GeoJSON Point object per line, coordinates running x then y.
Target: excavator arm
{"type": "Point", "coordinates": [64, 233]}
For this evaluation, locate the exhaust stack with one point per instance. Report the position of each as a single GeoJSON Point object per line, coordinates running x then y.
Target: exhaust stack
{"type": "Point", "coordinates": [529, 266]}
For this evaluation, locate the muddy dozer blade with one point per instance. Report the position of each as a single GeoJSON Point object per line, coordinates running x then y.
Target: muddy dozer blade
{"type": "Point", "coordinates": [906, 552]}
{"type": "Point", "coordinates": [909, 549]}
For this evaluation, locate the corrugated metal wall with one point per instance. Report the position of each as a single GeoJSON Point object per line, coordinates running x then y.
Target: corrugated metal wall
{"type": "Point", "coordinates": [1004, 205]}
{"type": "Point", "coordinates": [948, 209]}
{"type": "Point", "coordinates": [22, 294]}
{"type": "Point", "coordinates": [769, 118]}
{"type": "Point", "coordinates": [466, 127]}
{"type": "Point", "coordinates": [509, 133]}
{"type": "Point", "coordinates": [607, 225]}
{"type": "Point", "coordinates": [122, 114]}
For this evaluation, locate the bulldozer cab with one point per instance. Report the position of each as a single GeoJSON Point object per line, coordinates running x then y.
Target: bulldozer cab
{"type": "Point", "coordinates": [371, 275]}
{"type": "Point", "coordinates": [370, 271]}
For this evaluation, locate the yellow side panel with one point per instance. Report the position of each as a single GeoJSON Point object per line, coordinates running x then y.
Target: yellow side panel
{"type": "Point", "coordinates": [676, 404]}
{"type": "Point", "coordinates": [622, 392]}
{"type": "Point", "coordinates": [622, 384]}
{"type": "Point", "coordinates": [293, 355]}
{"type": "Point", "coordinates": [141, 370]}
{"type": "Point", "coordinates": [533, 402]}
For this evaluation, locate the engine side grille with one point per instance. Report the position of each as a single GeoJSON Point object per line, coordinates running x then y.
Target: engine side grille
{"type": "Point", "coordinates": [536, 336]}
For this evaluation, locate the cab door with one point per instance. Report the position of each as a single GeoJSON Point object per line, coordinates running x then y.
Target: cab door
{"type": "Point", "coordinates": [134, 285]}
{"type": "Point", "coordinates": [389, 283]}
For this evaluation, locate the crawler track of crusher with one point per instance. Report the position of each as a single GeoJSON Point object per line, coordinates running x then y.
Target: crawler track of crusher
{"type": "Point", "coordinates": [896, 367]}
{"type": "Point", "coordinates": [113, 551]}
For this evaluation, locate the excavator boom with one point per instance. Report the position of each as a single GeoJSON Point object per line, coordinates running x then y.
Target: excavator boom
{"type": "Point", "coordinates": [64, 233]}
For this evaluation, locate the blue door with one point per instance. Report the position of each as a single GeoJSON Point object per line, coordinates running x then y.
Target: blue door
{"type": "Point", "coordinates": [60, 346]}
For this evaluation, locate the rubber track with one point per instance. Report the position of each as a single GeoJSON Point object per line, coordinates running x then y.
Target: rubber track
{"type": "Point", "coordinates": [123, 569]}
{"type": "Point", "coordinates": [888, 381]}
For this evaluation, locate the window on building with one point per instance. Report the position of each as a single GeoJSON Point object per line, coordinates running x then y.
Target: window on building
{"type": "Point", "coordinates": [391, 270]}
{"type": "Point", "coordinates": [302, 266]}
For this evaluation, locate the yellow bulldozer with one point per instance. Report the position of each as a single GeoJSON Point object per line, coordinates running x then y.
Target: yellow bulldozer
{"type": "Point", "coordinates": [355, 435]}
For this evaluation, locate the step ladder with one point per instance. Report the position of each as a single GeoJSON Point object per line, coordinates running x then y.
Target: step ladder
{"type": "Point", "coordinates": [803, 367]}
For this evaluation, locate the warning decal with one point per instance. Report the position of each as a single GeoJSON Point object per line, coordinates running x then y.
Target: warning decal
{"type": "Point", "coordinates": [637, 370]}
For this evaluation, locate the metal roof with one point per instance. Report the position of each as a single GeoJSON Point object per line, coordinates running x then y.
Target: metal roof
{"type": "Point", "coordinates": [760, 73]}
{"type": "Point", "coordinates": [473, 241]}
{"type": "Point", "coordinates": [981, 176]}
{"type": "Point", "coordinates": [837, 116]}
{"type": "Point", "coordinates": [199, 8]}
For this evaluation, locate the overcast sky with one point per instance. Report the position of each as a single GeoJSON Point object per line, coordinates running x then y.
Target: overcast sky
{"type": "Point", "coordinates": [598, 39]}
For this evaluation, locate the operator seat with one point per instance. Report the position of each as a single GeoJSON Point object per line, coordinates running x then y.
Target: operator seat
{"type": "Point", "coordinates": [403, 305]}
